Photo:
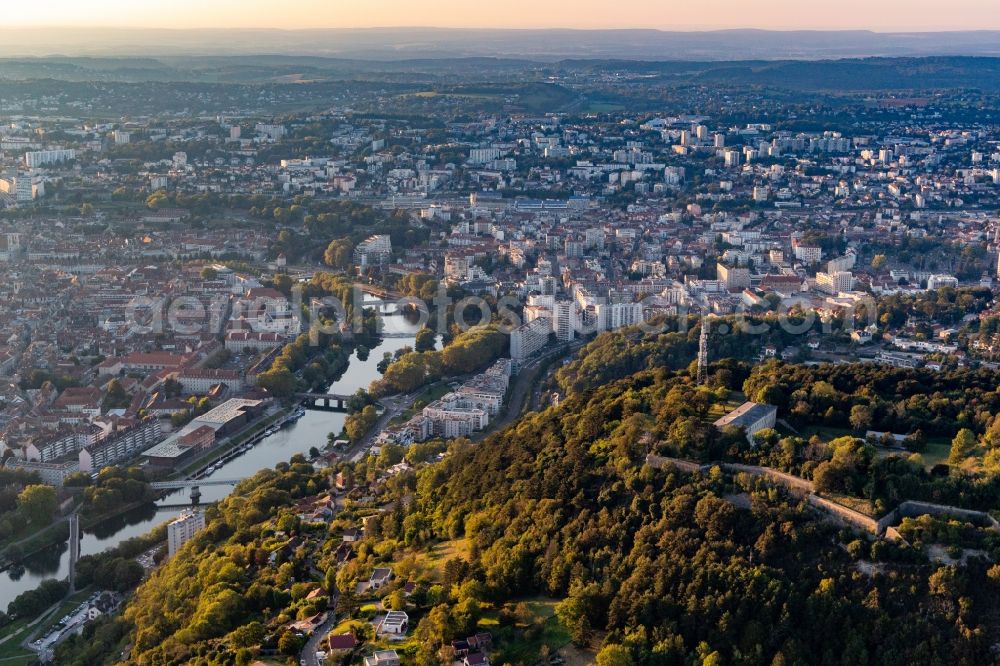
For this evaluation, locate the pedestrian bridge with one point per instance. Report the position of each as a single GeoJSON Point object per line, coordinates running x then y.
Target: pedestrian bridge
{"type": "Point", "coordinates": [192, 483]}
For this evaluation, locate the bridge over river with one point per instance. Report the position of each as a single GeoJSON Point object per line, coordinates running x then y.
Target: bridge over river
{"type": "Point", "coordinates": [193, 484]}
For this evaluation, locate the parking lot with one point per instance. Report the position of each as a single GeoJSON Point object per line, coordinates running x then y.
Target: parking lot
{"type": "Point", "coordinates": [72, 621]}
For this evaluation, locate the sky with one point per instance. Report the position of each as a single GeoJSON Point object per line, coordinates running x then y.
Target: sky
{"type": "Point", "coordinates": [881, 15]}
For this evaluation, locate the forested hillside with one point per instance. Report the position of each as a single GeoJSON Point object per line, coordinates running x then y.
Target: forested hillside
{"type": "Point", "coordinates": [645, 566]}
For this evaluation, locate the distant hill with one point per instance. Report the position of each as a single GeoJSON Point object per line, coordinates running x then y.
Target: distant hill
{"type": "Point", "coordinates": [940, 72]}
{"type": "Point", "coordinates": [848, 74]}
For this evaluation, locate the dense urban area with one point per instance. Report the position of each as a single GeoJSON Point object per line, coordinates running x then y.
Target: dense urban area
{"type": "Point", "coordinates": [489, 361]}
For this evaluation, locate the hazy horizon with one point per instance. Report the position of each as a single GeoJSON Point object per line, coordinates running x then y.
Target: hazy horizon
{"type": "Point", "coordinates": [884, 16]}
{"type": "Point", "coordinates": [408, 42]}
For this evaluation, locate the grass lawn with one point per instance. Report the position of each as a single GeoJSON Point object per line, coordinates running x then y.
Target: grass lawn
{"type": "Point", "coordinates": [936, 452]}
{"type": "Point", "coordinates": [860, 505]}
{"type": "Point", "coordinates": [12, 654]}
{"type": "Point", "coordinates": [11, 651]}
{"type": "Point", "coordinates": [719, 409]}
{"type": "Point", "coordinates": [433, 393]}
{"type": "Point", "coordinates": [604, 107]}
{"type": "Point", "coordinates": [348, 626]}
{"type": "Point", "coordinates": [490, 618]}
{"type": "Point", "coordinates": [435, 557]}
{"type": "Point", "coordinates": [408, 645]}
{"type": "Point", "coordinates": [554, 634]}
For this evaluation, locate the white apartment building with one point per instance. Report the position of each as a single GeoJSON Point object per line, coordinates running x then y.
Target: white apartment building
{"type": "Point", "coordinates": [51, 473]}
{"type": "Point", "coordinates": [120, 447]}
{"type": "Point", "coordinates": [527, 339]}
{"type": "Point", "coordinates": [940, 281]}
{"type": "Point", "coordinates": [22, 187]}
{"type": "Point", "coordinates": [845, 263]}
{"type": "Point", "coordinates": [735, 278]}
{"type": "Point", "coordinates": [612, 316]}
{"type": "Point", "coordinates": [834, 283]}
{"type": "Point", "coordinates": [808, 254]}
{"type": "Point", "coordinates": [455, 415]}
{"type": "Point", "coordinates": [270, 132]}
{"type": "Point", "coordinates": [456, 266]}
{"type": "Point", "coordinates": [483, 155]}
{"type": "Point", "coordinates": [182, 529]}
{"type": "Point", "coordinates": [61, 445]}
{"type": "Point", "coordinates": [565, 320]}
{"type": "Point", "coordinates": [198, 381]}
{"type": "Point", "coordinates": [39, 158]}
{"type": "Point", "coordinates": [373, 250]}
{"type": "Point", "coordinates": [237, 341]}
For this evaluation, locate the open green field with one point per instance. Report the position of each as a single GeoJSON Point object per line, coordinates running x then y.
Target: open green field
{"type": "Point", "coordinates": [348, 626]}
{"type": "Point", "coordinates": [435, 557]}
{"type": "Point", "coordinates": [604, 107]}
{"type": "Point", "coordinates": [11, 651]}
{"type": "Point", "coordinates": [554, 634]}
{"type": "Point", "coordinates": [936, 452]}
{"type": "Point", "coordinates": [720, 409]}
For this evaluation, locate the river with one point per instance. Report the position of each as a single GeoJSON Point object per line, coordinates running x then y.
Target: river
{"type": "Point", "coordinates": [298, 437]}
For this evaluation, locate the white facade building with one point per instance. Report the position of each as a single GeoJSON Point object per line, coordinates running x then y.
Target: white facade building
{"type": "Point", "coordinates": [612, 316]}
{"type": "Point", "coordinates": [373, 250]}
{"type": "Point", "coordinates": [182, 529]}
{"type": "Point", "coordinates": [529, 338]}
{"type": "Point", "coordinates": [40, 158]}
{"type": "Point", "coordinates": [834, 283]}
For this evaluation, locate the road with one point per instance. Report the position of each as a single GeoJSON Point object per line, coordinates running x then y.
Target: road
{"type": "Point", "coordinates": [315, 642]}
{"type": "Point", "coordinates": [519, 390]}
{"type": "Point", "coordinates": [393, 405]}
{"type": "Point", "coordinates": [525, 383]}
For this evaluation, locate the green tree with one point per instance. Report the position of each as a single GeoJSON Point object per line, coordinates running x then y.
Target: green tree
{"type": "Point", "coordinates": [279, 381]}
{"type": "Point", "coordinates": [861, 417]}
{"type": "Point", "coordinates": [290, 643]}
{"type": "Point", "coordinates": [572, 613]}
{"type": "Point", "coordinates": [339, 253]}
{"type": "Point", "coordinates": [396, 600]}
{"type": "Point", "coordinates": [962, 446]}
{"type": "Point", "coordinates": [613, 654]}
{"type": "Point", "coordinates": [116, 397]}
{"type": "Point", "coordinates": [36, 503]}
{"type": "Point", "coordinates": [157, 200]}
{"type": "Point", "coordinates": [425, 340]}
{"type": "Point", "coordinates": [358, 424]}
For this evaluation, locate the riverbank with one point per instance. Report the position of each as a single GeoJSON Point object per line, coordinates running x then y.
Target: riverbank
{"type": "Point", "coordinates": [100, 533]}
{"type": "Point", "coordinates": [255, 430]}
{"type": "Point", "coordinates": [58, 532]}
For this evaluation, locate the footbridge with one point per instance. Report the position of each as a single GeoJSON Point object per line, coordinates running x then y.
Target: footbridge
{"type": "Point", "coordinates": [194, 484]}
